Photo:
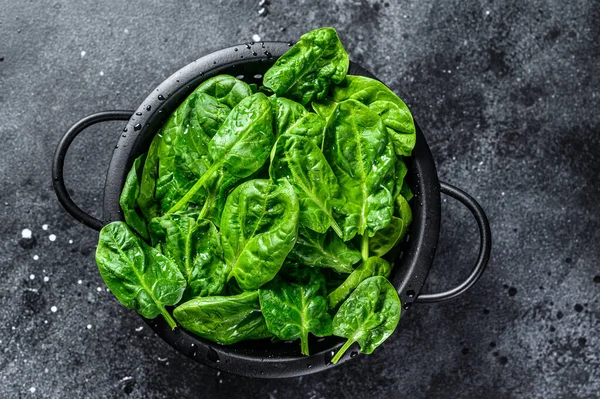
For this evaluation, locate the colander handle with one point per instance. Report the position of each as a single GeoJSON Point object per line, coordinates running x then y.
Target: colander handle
{"type": "Point", "coordinates": [58, 163]}
{"type": "Point", "coordinates": [485, 246]}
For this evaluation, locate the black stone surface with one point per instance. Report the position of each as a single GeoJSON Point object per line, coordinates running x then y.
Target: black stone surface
{"type": "Point", "coordinates": [508, 94]}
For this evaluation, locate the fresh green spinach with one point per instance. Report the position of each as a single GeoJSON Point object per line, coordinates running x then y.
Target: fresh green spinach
{"type": "Point", "coordinates": [194, 245]}
{"type": "Point", "coordinates": [369, 316]}
{"type": "Point", "coordinates": [138, 275]}
{"type": "Point", "coordinates": [224, 319]}
{"type": "Point", "coordinates": [301, 162]}
{"type": "Point", "coordinates": [129, 196]}
{"type": "Point", "coordinates": [324, 250]}
{"type": "Point", "coordinates": [297, 305]}
{"type": "Point", "coordinates": [259, 227]}
{"type": "Point", "coordinates": [306, 71]}
{"type": "Point", "coordinates": [373, 266]}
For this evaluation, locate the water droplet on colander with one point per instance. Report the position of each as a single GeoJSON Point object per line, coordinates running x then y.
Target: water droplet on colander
{"type": "Point", "coordinates": [149, 107]}
{"type": "Point", "coordinates": [262, 44]}
{"type": "Point", "coordinates": [137, 127]}
{"type": "Point", "coordinates": [247, 46]}
{"type": "Point", "coordinates": [123, 135]}
{"type": "Point", "coordinates": [125, 129]}
{"type": "Point", "coordinates": [268, 54]}
{"type": "Point", "coordinates": [411, 293]}
{"type": "Point", "coordinates": [407, 305]}
{"type": "Point", "coordinates": [138, 113]}
{"type": "Point", "coordinates": [235, 49]}
{"type": "Point", "coordinates": [214, 62]}
{"type": "Point", "coordinates": [161, 97]}
{"type": "Point", "coordinates": [353, 354]}
{"type": "Point", "coordinates": [254, 53]}
{"type": "Point", "coordinates": [290, 44]}
{"type": "Point", "coordinates": [212, 355]}
{"type": "Point", "coordinates": [263, 12]}
{"type": "Point", "coordinates": [309, 366]}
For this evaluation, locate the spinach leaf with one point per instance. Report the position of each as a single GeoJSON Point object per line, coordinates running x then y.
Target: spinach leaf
{"type": "Point", "coordinates": [369, 316]}
{"type": "Point", "coordinates": [306, 71]}
{"type": "Point", "coordinates": [296, 306]}
{"type": "Point", "coordinates": [373, 266]}
{"type": "Point", "coordinates": [388, 237]}
{"type": "Point", "coordinates": [406, 192]}
{"type": "Point", "coordinates": [195, 247]}
{"type": "Point", "coordinates": [362, 158]}
{"type": "Point", "coordinates": [293, 118]}
{"type": "Point", "coordinates": [146, 199]}
{"type": "Point", "coordinates": [400, 174]}
{"type": "Point", "coordinates": [226, 89]}
{"type": "Point", "coordinates": [300, 161]}
{"type": "Point", "coordinates": [393, 111]}
{"type": "Point", "coordinates": [224, 319]}
{"type": "Point", "coordinates": [129, 196]}
{"type": "Point", "coordinates": [183, 156]}
{"type": "Point", "coordinates": [207, 115]}
{"type": "Point", "coordinates": [259, 227]}
{"type": "Point", "coordinates": [217, 189]}
{"type": "Point", "coordinates": [241, 145]}
{"type": "Point", "coordinates": [138, 275]}
{"type": "Point", "coordinates": [324, 250]}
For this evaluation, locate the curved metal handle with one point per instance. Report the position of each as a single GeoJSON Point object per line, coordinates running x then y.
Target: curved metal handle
{"type": "Point", "coordinates": [59, 161]}
{"type": "Point", "coordinates": [485, 246]}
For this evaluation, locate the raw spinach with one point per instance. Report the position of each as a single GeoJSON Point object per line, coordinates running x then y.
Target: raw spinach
{"type": "Point", "coordinates": [300, 161]}
{"type": "Point", "coordinates": [138, 275]}
{"type": "Point", "coordinates": [369, 316]}
{"type": "Point", "coordinates": [393, 111]}
{"type": "Point", "coordinates": [296, 306]}
{"type": "Point", "coordinates": [306, 71]}
{"type": "Point", "coordinates": [373, 266]}
{"type": "Point", "coordinates": [259, 227]}
{"type": "Point", "coordinates": [241, 145]}
{"type": "Point", "coordinates": [293, 118]}
{"type": "Point", "coordinates": [324, 250]}
{"type": "Point", "coordinates": [194, 245]}
{"type": "Point", "coordinates": [146, 199]}
{"type": "Point", "coordinates": [362, 158]}
{"type": "Point", "coordinates": [224, 319]}
{"type": "Point", "coordinates": [129, 196]}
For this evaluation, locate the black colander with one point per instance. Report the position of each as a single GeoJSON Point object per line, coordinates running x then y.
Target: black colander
{"type": "Point", "coordinates": [412, 258]}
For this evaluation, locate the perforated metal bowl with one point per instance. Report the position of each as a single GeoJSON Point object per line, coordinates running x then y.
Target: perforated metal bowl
{"type": "Point", "coordinates": [412, 259]}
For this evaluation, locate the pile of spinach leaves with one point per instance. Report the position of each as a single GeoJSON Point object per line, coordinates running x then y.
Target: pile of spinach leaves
{"type": "Point", "coordinates": [266, 213]}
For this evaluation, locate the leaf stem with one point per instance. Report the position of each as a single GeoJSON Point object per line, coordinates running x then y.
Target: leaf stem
{"type": "Point", "coordinates": [364, 246]}
{"type": "Point", "coordinates": [170, 321]}
{"type": "Point", "coordinates": [342, 350]}
{"type": "Point", "coordinates": [192, 191]}
{"type": "Point", "coordinates": [336, 228]}
{"type": "Point", "coordinates": [304, 344]}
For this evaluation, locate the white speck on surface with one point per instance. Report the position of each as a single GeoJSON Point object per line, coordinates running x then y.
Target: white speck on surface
{"type": "Point", "coordinates": [101, 73]}
{"type": "Point", "coordinates": [487, 12]}
{"type": "Point", "coordinates": [70, 241]}
{"type": "Point", "coordinates": [26, 233]}
{"type": "Point", "coordinates": [35, 257]}
{"type": "Point", "coordinates": [32, 389]}
{"type": "Point", "coordinates": [53, 309]}
{"type": "Point", "coordinates": [126, 30]}
{"type": "Point", "coordinates": [160, 359]}
{"type": "Point", "coordinates": [52, 237]}
{"type": "Point", "coordinates": [218, 373]}
{"type": "Point", "coordinates": [89, 326]}
{"type": "Point", "coordinates": [79, 281]}
{"type": "Point", "coordinates": [45, 370]}
{"type": "Point", "coordinates": [45, 321]}
{"type": "Point", "coordinates": [256, 38]}
{"type": "Point", "coordinates": [44, 227]}
{"type": "Point", "coordinates": [99, 289]}
{"type": "Point", "coordinates": [32, 276]}
{"type": "Point", "coordinates": [46, 279]}
{"type": "Point", "coordinates": [140, 328]}
{"type": "Point", "coordinates": [82, 54]}
{"type": "Point", "coordinates": [503, 192]}
{"type": "Point", "coordinates": [481, 163]}
{"type": "Point", "coordinates": [127, 378]}
{"type": "Point", "coordinates": [14, 328]}
{"type": "Point", "coordinates": [220, 381]}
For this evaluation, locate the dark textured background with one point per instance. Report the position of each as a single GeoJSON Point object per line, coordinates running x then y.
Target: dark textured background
{"type": "Point", "coordinates": [508, 96]}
